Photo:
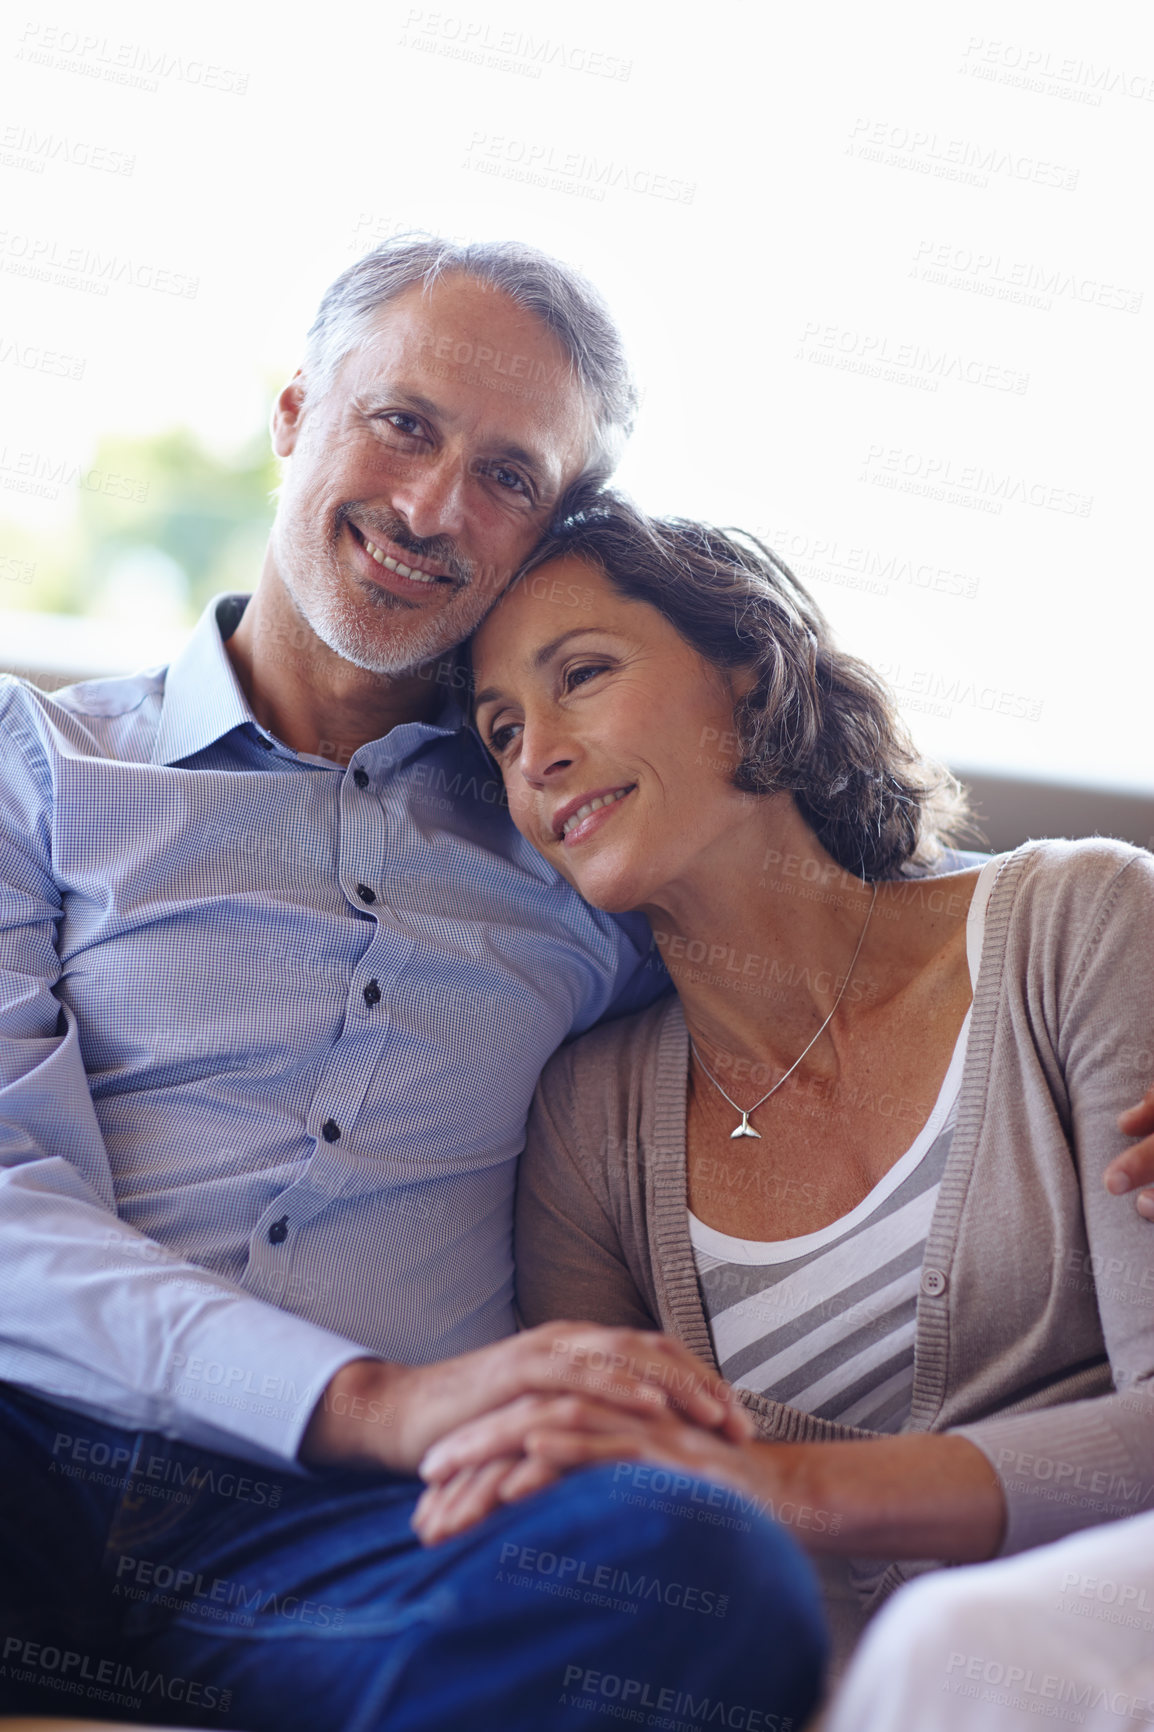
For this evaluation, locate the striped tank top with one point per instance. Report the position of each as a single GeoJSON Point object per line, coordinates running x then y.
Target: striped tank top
{"type": "Point", "coordinates": [825, 1321]}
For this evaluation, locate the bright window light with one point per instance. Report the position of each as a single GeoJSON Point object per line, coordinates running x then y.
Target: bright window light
{"type": "Point", "coordinates": [884, 272]}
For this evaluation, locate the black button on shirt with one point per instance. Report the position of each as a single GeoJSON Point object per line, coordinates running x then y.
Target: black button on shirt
{"type": "Point", "coordinates": [331, 1131]}
{"type": "Point", "coordinates": [372, 994]}
{"type": "Point", "coordinates": [278, 1232]}
{"type": "Point", "coordinates": [360, 778]}
{"type": "Point", "coordinates": [365, 894]}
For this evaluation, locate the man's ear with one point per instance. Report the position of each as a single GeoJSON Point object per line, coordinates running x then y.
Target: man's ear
{"type": "Point", "coordinates": [287, 414]}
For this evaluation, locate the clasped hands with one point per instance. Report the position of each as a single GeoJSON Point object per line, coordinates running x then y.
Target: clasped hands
{"type": "Point", "coordinates": [505, 1420]}
{"type": "Point", "coordinates": [680, 1414]}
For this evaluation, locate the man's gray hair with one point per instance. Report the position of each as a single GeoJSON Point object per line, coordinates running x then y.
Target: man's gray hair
{"type": "Point", "coordinates": [564, 300]}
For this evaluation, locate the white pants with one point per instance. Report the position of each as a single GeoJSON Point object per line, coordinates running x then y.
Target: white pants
{"type": "Point", "coordinates": [1063, 1635]}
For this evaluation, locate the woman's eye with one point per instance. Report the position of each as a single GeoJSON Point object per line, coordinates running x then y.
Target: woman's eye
{"type": "Point", "coordinates": [502, 738]}
{"type": "Point", "coordinates": [578, 676]}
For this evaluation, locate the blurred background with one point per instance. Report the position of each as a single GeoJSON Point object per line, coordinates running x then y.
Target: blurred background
{"type": "Point", "coordinates": [883, 271]}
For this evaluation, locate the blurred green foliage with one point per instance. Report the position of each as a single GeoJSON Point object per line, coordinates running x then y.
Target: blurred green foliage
{"type": "Point", "coordinates": [166, 512]}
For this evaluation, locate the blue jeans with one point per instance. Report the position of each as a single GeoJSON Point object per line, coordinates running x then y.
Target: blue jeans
{"type": "Point", "coordinates": [151, 1580]}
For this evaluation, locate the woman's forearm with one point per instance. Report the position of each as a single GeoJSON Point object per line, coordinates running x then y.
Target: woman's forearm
{"type": "Point", "coordinates": [914, 1496]}
{"type": "Point", "coordinates": [922, 1496]}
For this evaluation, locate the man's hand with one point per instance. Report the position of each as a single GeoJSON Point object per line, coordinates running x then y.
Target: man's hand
{"type": "Point", "coordinates": [378, 1415]}
{"type": "Point", "coordinates": [1136, 1165]}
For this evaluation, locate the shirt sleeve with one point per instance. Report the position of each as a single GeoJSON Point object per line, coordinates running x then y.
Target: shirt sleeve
{"type": "Point", "coordinates": [568, 1254]}
{"type": "Point", "coordinates": [1068, 1467]}
{"type": "Point", "coordinates": [92, 1313]}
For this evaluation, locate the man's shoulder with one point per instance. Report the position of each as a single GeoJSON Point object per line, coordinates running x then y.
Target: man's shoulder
{"type": "Point", "coordinates": [604, 1063]}
{"type": "Point", "coordinates": [87, 717]}
{"type": "Point", "coordinates": [109, 697]}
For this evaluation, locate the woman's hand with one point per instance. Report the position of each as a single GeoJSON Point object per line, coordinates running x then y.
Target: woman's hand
{"type": "Point", "coordinates": [530, 1443]}
{"type": "Point", "coordinates": [1136, 1166]}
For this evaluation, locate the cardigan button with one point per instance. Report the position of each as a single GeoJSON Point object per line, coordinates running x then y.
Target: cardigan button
{"type": "Point", "coordinates": [933, 1283]}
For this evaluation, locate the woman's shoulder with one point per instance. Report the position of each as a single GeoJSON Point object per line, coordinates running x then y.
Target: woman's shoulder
{"type": "Point", "coordinates": [1072, 872]}
{"type": "Point", "coordinates": [1070, 895]}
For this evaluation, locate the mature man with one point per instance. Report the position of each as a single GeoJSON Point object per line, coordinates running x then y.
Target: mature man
{"type": "Point", "coordinates": [277, 978]}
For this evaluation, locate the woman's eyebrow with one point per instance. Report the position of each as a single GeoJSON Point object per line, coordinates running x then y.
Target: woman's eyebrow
{"type": "Point", "coordinates": [546, 652]}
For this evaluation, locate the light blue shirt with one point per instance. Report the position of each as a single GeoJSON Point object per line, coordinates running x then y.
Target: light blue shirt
{"type": "Point", "coordinates": [269, 1030]}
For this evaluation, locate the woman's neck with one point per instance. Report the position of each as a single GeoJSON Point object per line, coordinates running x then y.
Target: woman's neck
{"type": "Point", "coordinates": [759, 944]}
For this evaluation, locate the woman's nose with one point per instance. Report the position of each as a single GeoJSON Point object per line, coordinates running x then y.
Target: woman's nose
{"type": "Point", "coordinates": [545, 753]}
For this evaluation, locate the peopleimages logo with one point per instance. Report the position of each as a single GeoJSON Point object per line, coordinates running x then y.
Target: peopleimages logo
{"type": "Point", "coordinates": [875, 355]}
{"type": "Point", "coordinates": [50, 260]}
{"type": "Point", "coordinates": [67, 1670]}
{"type": "Point", "coordinates": [540, 164]}
{"type": "Point", "coordinates": [955, 159]}
{"type": "Point", "coordinates": [1029, 67]}
{"type": "Point", "coordinates": [1021, 282]}
{"type": "Point", "coordinates": [138, 65]}
{"type": "Point", "coordinates": [1032, 1690]}
{"type": "Point", "coordinates": [35, 358]}
{"type": "Point", "coordinates": [968, 484]}
{"type": "Point", "coordinates": [473, 40]}
{"type": "Point", "coordinates": [24, 147]}
{"type": "Point", "coordinates": [633, 1694]}
{"type": "Point", "coordinates": [522, 1563]}
{"type": "Point", "coordinates": [192, 1590]}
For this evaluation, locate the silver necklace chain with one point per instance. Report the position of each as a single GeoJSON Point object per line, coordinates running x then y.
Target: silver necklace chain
{"type": "Point", "coordinates": [745, 1129]}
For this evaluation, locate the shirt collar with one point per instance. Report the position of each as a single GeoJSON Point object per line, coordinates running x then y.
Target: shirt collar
{"type": "Point", "coordinates": [204, 700]}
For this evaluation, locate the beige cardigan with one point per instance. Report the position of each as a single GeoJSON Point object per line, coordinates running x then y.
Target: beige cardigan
{"type": "Point", "coordinates": [1035, 1322]}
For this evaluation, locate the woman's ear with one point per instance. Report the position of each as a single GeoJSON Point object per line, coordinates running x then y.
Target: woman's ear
{"type": "Point", "coordinates": [742, 682]}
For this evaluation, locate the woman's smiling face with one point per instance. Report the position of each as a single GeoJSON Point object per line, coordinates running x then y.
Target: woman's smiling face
{"type": "Point", "coordinates": [615, 738]}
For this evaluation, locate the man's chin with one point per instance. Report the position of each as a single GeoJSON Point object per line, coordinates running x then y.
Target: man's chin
{"type": "Point", "coordinates": [391, 648]}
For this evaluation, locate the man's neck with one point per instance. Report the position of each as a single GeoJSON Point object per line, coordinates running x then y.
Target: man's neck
{"type": "Point", "coordinates": [310, 697]}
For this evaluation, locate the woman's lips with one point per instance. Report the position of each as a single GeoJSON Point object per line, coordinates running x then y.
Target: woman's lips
{"type": "Point", "coordinates": [580, 821]}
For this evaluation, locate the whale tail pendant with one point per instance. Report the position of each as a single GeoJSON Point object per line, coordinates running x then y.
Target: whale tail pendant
{"type": "Point", "coordinates": [745, 1129]}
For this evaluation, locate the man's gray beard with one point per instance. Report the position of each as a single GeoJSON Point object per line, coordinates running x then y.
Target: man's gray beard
{"type": "Point", "coordinates": [347, 633]}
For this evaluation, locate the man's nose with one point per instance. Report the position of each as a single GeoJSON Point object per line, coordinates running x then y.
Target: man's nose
{"type": "Point", "coordinates": [431, 498]}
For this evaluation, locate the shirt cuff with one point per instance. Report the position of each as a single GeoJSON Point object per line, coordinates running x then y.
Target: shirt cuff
{"type": "Point", "coordinates": [250, 1376]}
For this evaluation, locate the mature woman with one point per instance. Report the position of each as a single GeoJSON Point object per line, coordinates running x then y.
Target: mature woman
{"type": "Point", "coordinates": [856, 1161]}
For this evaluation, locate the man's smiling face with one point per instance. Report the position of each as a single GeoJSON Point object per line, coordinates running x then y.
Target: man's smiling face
{"type": "Point", "coordinates": [420, 480]}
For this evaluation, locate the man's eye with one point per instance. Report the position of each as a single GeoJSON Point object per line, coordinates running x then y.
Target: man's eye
{"type": "Point", "coordinates": [401, 422]}
{"type": "Point", "coordinates": [510, 480]}
{"type": "Point", "coordinates": [502, 738]}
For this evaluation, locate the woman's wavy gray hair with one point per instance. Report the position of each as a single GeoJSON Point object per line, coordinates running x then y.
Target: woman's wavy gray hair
{"type": "Point", "coordinates": [564, 300]}
{"type": "Point", "coordinates": [817, 723]}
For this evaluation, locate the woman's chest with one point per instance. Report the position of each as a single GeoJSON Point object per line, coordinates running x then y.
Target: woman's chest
{"type": "Point", "coordinates": [827, 1136]}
